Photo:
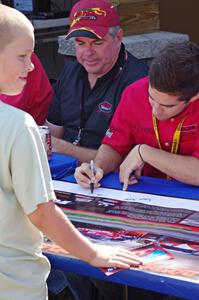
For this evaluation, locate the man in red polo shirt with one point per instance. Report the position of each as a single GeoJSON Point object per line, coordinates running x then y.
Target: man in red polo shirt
{"type": "Point", "coordinates": [155, 130]}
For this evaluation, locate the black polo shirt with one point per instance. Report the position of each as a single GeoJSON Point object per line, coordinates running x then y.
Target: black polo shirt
{"type": "Point", "coordinates": [76, 105]}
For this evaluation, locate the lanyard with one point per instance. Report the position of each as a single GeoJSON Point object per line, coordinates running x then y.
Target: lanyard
{"type": "Point", "coordinates": [85, 116]}
{"type": "Point", "coordinates": [176, 136]}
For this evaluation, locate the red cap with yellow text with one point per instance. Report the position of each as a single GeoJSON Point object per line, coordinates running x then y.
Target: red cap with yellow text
{"type": "Point", "coordinates": [92, 18]}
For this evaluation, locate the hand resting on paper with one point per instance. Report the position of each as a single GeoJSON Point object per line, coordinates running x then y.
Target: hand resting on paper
{"type": "Point", "coordinates": [107, 256]}
{"type": "Point", "coordinates": [131, 167]}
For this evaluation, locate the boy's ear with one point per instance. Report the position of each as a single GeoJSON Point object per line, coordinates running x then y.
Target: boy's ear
{"type": "Point", "coordinates": [194, 98]}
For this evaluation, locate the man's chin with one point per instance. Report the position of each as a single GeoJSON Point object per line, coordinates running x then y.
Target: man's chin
{"type": "Point", "coordinates": [161, 118]}
{"type": "Point", "coordinates": [92, 68]}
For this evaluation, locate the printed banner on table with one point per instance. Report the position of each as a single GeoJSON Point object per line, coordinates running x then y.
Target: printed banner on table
{"type": "Point", "coordinates": [166, 235]}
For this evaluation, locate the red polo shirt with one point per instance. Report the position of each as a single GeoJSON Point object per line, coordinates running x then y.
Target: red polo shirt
{"type": "Point", "coordinates": [132, 124]}
{"type": "Point", "coordinates": [36, 95]}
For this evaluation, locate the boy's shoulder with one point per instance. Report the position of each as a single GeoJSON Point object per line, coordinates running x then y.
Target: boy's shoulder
{"type": "Point", "coordinates": [14, 117]}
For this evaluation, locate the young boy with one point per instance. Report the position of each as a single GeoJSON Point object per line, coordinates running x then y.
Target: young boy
{"type": "Point", "coordinates": [36, 95]}
{"type": "Point", "coordinates": [26, 192]}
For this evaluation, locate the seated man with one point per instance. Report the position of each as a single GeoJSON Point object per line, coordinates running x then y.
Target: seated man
{"type": "Point", "coordinates": [155, 129]}
{"type": "Point", "coordinates": [36, 94]}
{"type": "Point", "coordinates": [89, 89]}
{"type": "Point", "coordinates": [88, 92]}
{"type": "Point", "coordinates": [156, 125]}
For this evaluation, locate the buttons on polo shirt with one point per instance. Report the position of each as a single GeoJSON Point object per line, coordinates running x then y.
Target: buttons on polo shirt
{"type": "Point", "coordinates": [166, 144]}
{"type": "Point", "coordinates": [172, 119]}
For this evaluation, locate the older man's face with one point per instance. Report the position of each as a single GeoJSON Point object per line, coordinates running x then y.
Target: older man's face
{"type": "Point", "coordinates": [98, 56]}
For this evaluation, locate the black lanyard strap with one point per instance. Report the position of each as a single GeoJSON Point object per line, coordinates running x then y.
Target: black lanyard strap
{"type": "Point", "coordinates": [84, 117]}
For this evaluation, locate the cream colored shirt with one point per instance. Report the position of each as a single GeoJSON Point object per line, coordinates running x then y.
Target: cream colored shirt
{"type": "Point", "coordinates": [25, 182]}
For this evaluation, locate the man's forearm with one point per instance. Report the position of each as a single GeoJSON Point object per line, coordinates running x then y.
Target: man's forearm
{"type": "Point", "coordinates": [107, 158]}
{"type": "Point", "coordinates": [180, 167]}
{"type": "Point", "coordinates": [80, 153]}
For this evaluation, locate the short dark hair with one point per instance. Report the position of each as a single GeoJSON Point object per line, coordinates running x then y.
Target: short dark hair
{"type": "Point", "coordinates": [176, 70]}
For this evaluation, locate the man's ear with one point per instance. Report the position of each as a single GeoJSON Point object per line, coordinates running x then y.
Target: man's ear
{"type": "Point", "coordinates": [120, 35]}
{"type": "Point", "coordinates": [194, 98]}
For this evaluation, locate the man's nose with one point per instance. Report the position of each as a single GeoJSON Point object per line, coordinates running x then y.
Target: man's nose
{"type": "Point", "coordinates": [89, 49]}
{"type": "Point", "coordinates": [157, 109]}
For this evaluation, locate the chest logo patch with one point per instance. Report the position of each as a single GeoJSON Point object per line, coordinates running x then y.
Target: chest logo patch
{"type": "Point", "coordinates": [105, 107]}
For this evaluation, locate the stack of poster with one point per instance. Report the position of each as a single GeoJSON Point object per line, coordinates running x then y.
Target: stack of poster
{"type": "Point", "coordinates": [162, 231]}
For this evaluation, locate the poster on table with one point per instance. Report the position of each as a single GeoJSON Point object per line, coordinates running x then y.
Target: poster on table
{"type": "Point", "coordinates": [162, 231]}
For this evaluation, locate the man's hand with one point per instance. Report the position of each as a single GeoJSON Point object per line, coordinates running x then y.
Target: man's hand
{"type": "Point", "coordinates": [133, 163]}
{"type": "Point", "coordinates": [114, 257]}
{"type": "Point", "coordinates": [84, 177]}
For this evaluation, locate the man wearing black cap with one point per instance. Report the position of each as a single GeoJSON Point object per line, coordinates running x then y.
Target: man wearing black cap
{"type": "Point", "coordinates": [89, 89]}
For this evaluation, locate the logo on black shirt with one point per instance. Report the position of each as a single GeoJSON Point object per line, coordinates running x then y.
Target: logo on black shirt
{"type": "Point", "coordinates": [105, 107]}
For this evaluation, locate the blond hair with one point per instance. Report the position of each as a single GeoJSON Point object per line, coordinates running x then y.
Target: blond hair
{"type": "Point", "coordinates": [11, 22]}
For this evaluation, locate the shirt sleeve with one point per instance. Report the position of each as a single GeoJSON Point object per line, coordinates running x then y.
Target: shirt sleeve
{"type": "Point", "coordinates": [196, 150]}
{"type": "Point", "coordinates": [29, 169]}
{"type": "Point", "coordinates": [119, 134]}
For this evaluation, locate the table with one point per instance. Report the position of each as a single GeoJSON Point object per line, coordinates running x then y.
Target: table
{"type": "Point", "coordinates": [133, 278]}
{"type": "Point", "coordinates": [150, 185]}
{"type": "Point", "coordinates": [136, 278]}
{"type": "Point", "coordinates": [61, 165]}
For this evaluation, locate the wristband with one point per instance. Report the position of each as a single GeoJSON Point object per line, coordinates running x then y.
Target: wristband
{"type": "Point", "coordinates": [139, 152]}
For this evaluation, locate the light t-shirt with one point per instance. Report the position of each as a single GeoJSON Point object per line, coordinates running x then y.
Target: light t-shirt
{"type": "Point", "coordinates": [25, 182]}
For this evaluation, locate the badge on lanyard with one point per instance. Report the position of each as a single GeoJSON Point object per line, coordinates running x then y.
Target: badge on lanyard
{"type": "Point", "coordinates": [78, 138]}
